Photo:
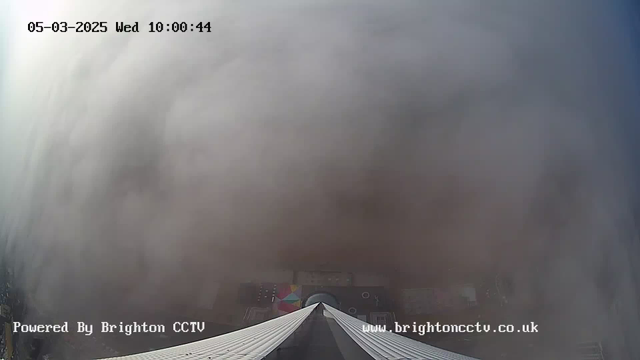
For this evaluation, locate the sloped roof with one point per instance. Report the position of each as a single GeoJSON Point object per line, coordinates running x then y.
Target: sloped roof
{"type": "Point", "coordinates": [387, 345]}
{"type": "Point", "coordinates": [254, 342]}
{"type": "Point", "coordinates": [258, 341]}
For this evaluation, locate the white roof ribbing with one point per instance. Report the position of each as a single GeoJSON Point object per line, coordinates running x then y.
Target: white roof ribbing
{"type": "Point", "coordinates": [254, 342]}
{"type": "Point", "coordinates": [257, 341]}
{"type": "Point", "coordinates": [387, 345]}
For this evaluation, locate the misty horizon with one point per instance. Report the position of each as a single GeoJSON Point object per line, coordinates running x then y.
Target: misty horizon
{"type": "Point", "coordinates": [433, 140]}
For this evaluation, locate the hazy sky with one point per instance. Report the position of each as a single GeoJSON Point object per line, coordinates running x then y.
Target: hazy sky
{"type": "Point", "coordinates": [412, 135]}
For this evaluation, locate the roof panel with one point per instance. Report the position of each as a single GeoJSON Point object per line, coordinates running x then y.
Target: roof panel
{"type": "Point", "coordinates": [387, 345]}
{"type": "Point", "coordinates": [254, 342]}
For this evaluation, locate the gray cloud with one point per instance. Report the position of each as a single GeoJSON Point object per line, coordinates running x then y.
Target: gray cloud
{"type": "Point", "coordinates": [399, 136]}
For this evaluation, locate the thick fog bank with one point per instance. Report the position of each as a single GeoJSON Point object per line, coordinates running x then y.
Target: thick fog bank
{"type": "Point", "coordinates": [478, 136]}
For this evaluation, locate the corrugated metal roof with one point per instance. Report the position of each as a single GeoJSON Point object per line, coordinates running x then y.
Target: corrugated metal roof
{"type": "Point", "coordinates": [254, 342]}
{"type": "Point", "coordinates": [387, 345]}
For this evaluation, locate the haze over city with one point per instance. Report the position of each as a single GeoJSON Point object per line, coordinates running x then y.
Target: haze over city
{"type": "Point", "coordinates": [440, 140]}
